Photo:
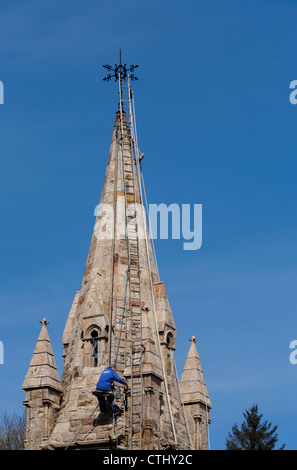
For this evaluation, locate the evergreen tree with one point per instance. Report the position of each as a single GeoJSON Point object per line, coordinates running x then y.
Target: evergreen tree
{"type": "Point", "coordinates": [253, 433]}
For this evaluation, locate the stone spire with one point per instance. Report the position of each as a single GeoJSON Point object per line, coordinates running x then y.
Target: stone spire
{"type": "Point", "coordinates": [89, 336]}
{"type": "Point", "coordinates": [42, 371]}
{"type": "Point", "coordinates": [195, 398]}
{"type": "Point", "coordinates": [43, 391]}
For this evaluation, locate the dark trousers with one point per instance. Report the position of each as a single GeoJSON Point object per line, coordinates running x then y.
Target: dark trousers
{"type": "Point", "coordinates": [102, 404]}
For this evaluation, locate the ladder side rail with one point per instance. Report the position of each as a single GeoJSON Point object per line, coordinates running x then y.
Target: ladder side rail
{"type": "Point", "coordinates": [140, 353]}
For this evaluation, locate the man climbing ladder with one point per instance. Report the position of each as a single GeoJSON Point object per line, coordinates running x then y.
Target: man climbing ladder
{"type": "Point", "coordinates": [105, 384]}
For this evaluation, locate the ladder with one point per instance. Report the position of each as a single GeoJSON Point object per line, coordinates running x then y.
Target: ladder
{"type": "Point", "coordinates": [127, 312]}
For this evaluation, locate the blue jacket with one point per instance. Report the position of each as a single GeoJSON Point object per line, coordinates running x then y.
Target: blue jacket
{"type": "Point", "coordinates": [107, 378]}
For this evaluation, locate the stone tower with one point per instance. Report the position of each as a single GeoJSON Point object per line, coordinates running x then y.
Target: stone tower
{"type": "Point", "coordinates": [43, 392]}
{"type": "Point", "coordinates": [121, 317]}
{"type": "Point", "coordinates": [195, 398]}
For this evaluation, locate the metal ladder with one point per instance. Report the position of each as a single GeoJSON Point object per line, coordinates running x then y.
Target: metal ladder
{"type": "Point", "coordinates": [128, 348]}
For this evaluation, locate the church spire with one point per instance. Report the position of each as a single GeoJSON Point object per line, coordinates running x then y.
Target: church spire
{"type": "Point", "coordinates": [121, 316]}
{"type": "Point", "coordinates": [42, 371]}
{"type": "Point", "coordinates": [195, 398]}
{"type": "Point", "coordinates": [43, 391]}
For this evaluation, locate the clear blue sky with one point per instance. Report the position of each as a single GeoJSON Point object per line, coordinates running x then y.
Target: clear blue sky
{"type": "Point", "coordinates": [217, 129]}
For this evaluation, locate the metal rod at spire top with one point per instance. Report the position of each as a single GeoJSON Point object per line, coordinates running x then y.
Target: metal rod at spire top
{"type": "Point", "coordinates": [120, 71]}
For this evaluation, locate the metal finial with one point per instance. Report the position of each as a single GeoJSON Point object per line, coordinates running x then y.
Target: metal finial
{"type": "Point", "coordinates": [121, 70]}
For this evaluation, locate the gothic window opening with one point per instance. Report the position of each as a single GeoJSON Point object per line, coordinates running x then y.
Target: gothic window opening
{"type": "Point", "coordinates": [92, 346]}
{"type": "Point", "coordinates": [170, 340]}
{"type": "Point", "coordinates": [169, 351]}
{"type": "Point", "coordinates": [94, 336]}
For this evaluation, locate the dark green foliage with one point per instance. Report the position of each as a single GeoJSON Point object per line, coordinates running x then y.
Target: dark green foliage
{"type": "Point", "coordinates": [253, 433]}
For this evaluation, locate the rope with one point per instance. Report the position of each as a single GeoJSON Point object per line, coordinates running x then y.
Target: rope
{"type": "Point", "coordinates": [115, 429]}
{"type": "Point", "coordinates": [144, 191]}
{"type": "Point", "coordinates": [149, 223]}
{"type": "Point", "coordinates": [206, 408]}
{"type": "Point", "coordinates": [154, 306]}
{"type": "Point", "coordinates": [139, 167]}
{"type": "Point", "coordinates": [183, 406]}
{"type": "Point", "coordinates": [87, 434]}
